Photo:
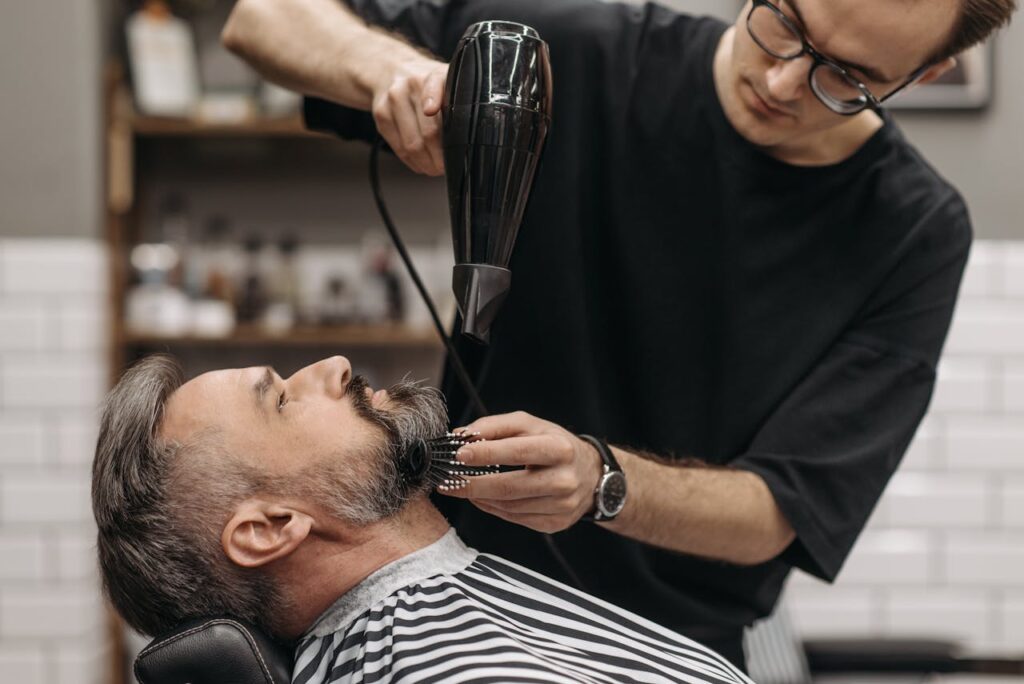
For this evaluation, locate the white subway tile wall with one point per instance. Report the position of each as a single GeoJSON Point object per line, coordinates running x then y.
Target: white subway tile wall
{"type": "Point", "coordinates": [1013, 386]}
{"type": "Point", "coordinates": [1013, 272]}
{"type": "Point", "coordinates": [23, 663]}
{"type": "Point", "coordinates": [53, 374]}
{"type": "Point", "coordinates": [943, 556]}
{"type": "Point", "coordinates": [962, 615]}
{"type": "Point", "coordinates": [821, 612]}
{"type": "Point", "coordinates": [1011, 515]}
{"type": "Point", "coordinates": [1011, 623]}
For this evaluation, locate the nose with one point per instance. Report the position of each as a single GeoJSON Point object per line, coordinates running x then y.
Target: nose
{"type": "Point", "coordinates": [337, 374]}
{"type": "Point", "coordinates": [330, 376]}
{"type": "Point", "coordinates": [786, 79]}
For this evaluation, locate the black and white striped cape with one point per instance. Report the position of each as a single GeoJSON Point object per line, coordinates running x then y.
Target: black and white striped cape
{"type": "Point", "coordinates": [449, 614]}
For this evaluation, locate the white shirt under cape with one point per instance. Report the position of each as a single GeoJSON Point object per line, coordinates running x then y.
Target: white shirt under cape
{"type": "Point", "coordinates": [448, 613]}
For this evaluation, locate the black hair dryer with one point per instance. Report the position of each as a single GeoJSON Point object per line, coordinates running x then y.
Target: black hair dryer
{"type": "Point", "coordinates": [496, 115]}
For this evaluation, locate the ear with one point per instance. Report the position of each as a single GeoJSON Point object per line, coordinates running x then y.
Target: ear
{"type": "Point", "coordinates": [260, 532]}
{"type": "Point", "coordinates": [934, 71]}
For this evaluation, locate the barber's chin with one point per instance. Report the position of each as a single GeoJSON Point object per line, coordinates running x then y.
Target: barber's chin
{"type": "Point", "coordinates": [759, 133]}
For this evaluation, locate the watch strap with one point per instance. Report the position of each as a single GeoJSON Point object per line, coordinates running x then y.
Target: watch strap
{"type": "Point", "coordinates": [603, 449]}
{"type": "Point", "coordinates": [610, 464]}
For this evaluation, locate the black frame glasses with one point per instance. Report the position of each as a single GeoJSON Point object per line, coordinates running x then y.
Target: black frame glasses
{"type": "Point", "coordinates": [845, 107]}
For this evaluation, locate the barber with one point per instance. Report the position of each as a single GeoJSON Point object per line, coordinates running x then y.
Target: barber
{"type": "Point", "coordinates": [733, 268]}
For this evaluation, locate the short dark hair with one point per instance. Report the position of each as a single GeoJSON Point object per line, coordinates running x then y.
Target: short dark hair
{"type": "Point", "coordinates": [977, 21]}
{"type": "Point", "coordinates": [160, 507]}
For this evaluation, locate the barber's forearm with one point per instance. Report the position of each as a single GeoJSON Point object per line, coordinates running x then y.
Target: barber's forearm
{"type": "Point", "coordinates": [316, 47]}
{"type": "Point", "coordinates": [728, 515]}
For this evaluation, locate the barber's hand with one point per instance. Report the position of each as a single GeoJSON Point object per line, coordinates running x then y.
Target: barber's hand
{"type": "Point", "coordinates": [407, 111]}
{"type": "Point", "coordinates": [555, 489]}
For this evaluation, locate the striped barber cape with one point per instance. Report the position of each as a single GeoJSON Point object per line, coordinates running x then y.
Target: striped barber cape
{"type": "Point", "coordinates": [447, 613]}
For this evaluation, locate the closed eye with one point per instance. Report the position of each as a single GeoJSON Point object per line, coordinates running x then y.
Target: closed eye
{"type": "Point", "coordinates": [282, 399]}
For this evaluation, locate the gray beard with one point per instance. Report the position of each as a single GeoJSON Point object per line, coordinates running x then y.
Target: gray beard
{"type": "Point", "coordinates": [414, 412]}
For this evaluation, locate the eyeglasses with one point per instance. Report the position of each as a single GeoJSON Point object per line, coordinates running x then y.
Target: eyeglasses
{"type": "Point", "coordinates": [831, 83]}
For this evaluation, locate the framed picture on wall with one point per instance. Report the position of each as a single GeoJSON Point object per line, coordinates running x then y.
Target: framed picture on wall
{"type": "Point", "coordinates": [968, 85]}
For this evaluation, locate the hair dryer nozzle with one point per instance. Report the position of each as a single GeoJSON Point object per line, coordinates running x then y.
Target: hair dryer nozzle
{"type": "Point", "coordinates": [480, 291]}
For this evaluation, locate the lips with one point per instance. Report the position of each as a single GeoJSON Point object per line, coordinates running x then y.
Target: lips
{"type": "Point", "coordinates": [375, 398]}
{"type": "Point", "coordinates": [762, 106]}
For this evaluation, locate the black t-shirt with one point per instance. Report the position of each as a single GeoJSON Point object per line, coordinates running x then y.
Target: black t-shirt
{"type": "Point", "coordinates": [677, 290]}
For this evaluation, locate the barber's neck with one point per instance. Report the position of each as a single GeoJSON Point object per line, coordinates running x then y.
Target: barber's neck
{"type": "Point", "coordinates": [339, 556]}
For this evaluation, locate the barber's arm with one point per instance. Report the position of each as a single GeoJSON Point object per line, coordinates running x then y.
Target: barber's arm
{"type": "Point", "coordinates": [320, 48]}
{"type": "Point", "coordinates": [717, 513]}
{"type": "Point", "coordinates": [812, 473]}
{"type": "Point", "coordinates": [807, 482]}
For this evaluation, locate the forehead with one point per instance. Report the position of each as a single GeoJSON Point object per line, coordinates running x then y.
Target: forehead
{"type": "Point", "coordinates": [894, 36]}
{"type": "Point", "coordinates": [218, 399]}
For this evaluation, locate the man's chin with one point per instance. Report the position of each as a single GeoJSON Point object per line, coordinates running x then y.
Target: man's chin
{"type": "Point", "coordinates": [760, 134]}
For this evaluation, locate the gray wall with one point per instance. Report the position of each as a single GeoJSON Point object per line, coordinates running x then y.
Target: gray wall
{"type": "Point", "coordinates": [50, 120]}
{"type": "Point", "coordinates": [982, 153]}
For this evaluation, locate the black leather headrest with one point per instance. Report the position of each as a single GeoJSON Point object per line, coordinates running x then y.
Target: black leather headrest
{"type": "Point", "coordinates": [221, 650]}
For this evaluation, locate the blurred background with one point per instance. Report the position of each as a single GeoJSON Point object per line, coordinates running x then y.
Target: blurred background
{"type": "Point", "coordinates": [156, 195]}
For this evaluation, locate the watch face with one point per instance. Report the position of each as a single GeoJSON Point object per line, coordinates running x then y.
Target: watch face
{"type": "Point", "coordinates": [612, 496]}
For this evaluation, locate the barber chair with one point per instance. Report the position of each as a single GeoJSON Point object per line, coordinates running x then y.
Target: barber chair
{"type": "Point", "coordinates": [219, 650]}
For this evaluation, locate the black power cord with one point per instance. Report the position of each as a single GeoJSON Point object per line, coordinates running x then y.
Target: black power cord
{"type": "Point", "coordinates": [453, 356]}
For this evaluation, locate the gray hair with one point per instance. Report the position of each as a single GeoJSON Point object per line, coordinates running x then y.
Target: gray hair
{"type": "Point", "coordinates": [159, 523]}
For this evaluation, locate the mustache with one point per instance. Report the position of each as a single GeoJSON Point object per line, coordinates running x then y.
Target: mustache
{"type": "Point", "coordinates": [415, 411]}
{"type": "Point", "coordinates": [356, 389]}
{"type": "Point", "coordinates": [356, 393]}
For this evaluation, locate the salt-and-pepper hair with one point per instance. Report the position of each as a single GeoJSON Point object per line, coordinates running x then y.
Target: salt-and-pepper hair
{"type": "Point", "coordinates": [159, 520]}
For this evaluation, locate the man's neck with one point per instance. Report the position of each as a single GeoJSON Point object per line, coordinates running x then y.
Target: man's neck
{"type": "Point", "coordinates": [338, 559]}
{"type": "Point", "coordinates": [828, 147]}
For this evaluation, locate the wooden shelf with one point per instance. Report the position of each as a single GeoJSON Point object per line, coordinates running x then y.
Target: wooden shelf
{"type": "Point", "coordinates": [163, 127]}
{"type": "Point", "coordinates": [380, 336]}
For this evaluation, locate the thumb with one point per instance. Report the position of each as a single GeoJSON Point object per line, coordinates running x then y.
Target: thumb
{"type": "Point", "coordinates": [433, 92]}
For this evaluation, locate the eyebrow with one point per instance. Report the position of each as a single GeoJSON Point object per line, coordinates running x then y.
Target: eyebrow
{"type": "Point", "coordinates": [873, 74]}
{"type": "Point", "coordinates": [261, 387]}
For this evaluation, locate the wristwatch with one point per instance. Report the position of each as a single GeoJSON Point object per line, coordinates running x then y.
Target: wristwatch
{"type": "Point", "coordinates": [610, 494]}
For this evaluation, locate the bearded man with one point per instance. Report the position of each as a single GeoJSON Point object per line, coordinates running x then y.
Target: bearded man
{"type": "Point", "coordinates": [283, 502]}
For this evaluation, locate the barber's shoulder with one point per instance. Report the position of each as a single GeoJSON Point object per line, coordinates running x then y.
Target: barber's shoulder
{"type": "Point", "coordinates": [909, 184]}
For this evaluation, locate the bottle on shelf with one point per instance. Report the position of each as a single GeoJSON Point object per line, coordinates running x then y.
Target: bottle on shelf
{"type": "Point", "coordinates": [252, 298]}
{"type": "Point", "coordinates": [336, 306]}
{"type": "Point", "coordinates": [276, 101]}
{"type": "Point", "coordinates": [380, 291]}
{"type": "Point", "coordinates": [221, 260]}
{"type": "Point", "coordinates": [173, 226]}
{"type": "Point", "coordinates": [153, 305]}
{"type": "Point", "coordinates": [158, 302]}
{"type": "Point", "coordinates": [162, 55]}
{"type": "Point", "coordinates": [214, 264]}
{"type": "Point", "coordinates": [282, 310]}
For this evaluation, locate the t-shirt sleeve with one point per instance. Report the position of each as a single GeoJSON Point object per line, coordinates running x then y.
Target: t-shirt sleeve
{"type": "Point", "coordinates": [585, 37]}
{"type": "Point", "coordinates": [831, 446]}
